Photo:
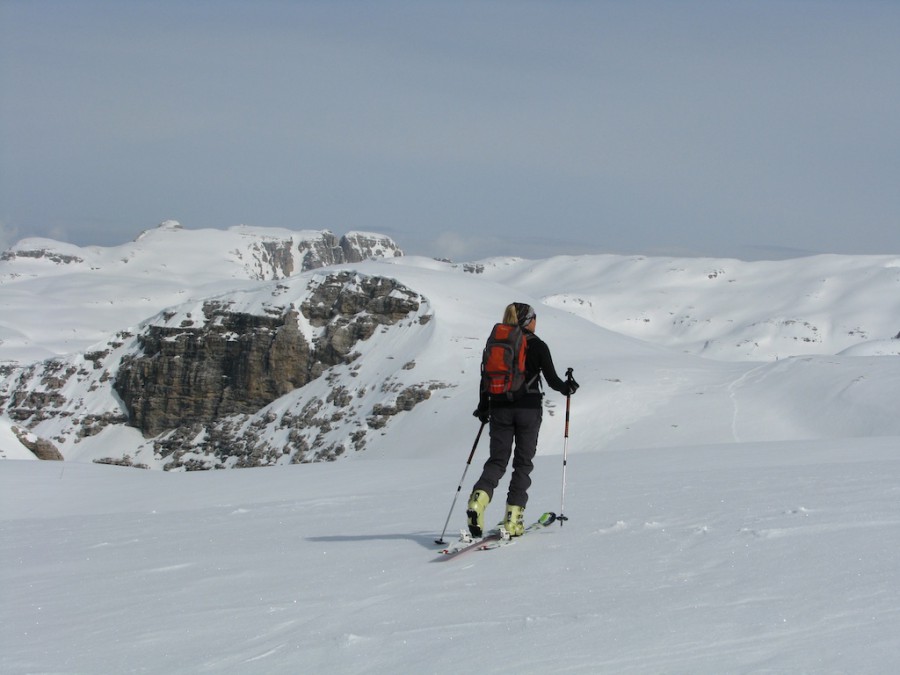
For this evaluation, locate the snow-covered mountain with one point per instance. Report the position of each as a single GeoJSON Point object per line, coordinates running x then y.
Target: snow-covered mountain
{"type": "Point", "coordinates": [89, 293]}
{"type": "Point", "coordinates": [725, 309]}
{"type": "Point", "coordinates": [202, 349]}
{"type": "Point", "coordinates": [733, 463]}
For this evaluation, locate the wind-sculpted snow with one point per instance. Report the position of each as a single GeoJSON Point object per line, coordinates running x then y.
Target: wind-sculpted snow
{"type": "Point", "coordinates": [775, 557]}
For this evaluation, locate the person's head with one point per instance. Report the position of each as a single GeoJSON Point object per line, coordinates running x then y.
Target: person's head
{"type": "Point", "coordinates": [519, 314]}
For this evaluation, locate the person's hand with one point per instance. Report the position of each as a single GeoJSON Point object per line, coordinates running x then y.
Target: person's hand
{"type": "Point", "coordinates": [483, 415]}
{"type": "Point", "coordinates": [570, 387]}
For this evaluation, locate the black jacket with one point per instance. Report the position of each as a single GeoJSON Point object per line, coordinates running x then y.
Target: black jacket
{"type": "Point", "coordinates": [537, 362]}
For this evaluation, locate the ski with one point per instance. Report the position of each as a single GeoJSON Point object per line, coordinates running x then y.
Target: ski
{"type": "Point", "coordinates": [493, 539]}
{"type": "Point", "coordinates": [467, 544]}
{"type": "Point", "coordinates": [545, 520]}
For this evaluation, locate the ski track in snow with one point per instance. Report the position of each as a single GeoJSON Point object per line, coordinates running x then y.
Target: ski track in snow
{"type": "Point", "coordinates": [733, 396]}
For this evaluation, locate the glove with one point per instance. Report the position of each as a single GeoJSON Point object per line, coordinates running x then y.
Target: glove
{"type": "Point", "coordinates": [483, 415]}
{"type": "Point", "coordinates": [570, 387]}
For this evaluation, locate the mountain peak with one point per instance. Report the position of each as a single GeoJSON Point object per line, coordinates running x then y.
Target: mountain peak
{"type": "Point", "coordinates": [163, 227]}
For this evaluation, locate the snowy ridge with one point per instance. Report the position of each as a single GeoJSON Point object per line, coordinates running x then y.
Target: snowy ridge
{"type": "Point", "coordinates": [723, 308]}
{"type": "Point", "coordinates": [89, 293]}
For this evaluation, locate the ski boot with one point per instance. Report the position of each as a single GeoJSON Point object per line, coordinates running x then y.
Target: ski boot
{"type": "Point", "coordinates": [514, 523]}
{"type": "Point", "coordinates": [478, 502]}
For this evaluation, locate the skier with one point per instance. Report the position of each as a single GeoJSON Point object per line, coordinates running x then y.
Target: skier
{"type": "Point", "coordinates": [514, 418]}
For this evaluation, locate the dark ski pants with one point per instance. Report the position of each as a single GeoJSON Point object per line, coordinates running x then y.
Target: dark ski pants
{"type": "Point", "coordinates": [509, 425]}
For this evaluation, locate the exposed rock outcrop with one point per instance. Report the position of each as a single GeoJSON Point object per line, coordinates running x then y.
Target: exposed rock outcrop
{"type": "Point", "coordinates": [264, 253]}
{"type": "Point", "coordinates": [39, 253]}
{"type": "Point", "coordinates": [298, 370]}
{"type": "Point", "coordinates": [231, 362]}
{"type": "Point", "coordinates": [351, 248]}
{"type": "Point", "coordinates": [40, 447]}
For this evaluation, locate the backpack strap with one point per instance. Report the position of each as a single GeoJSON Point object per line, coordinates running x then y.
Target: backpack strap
{"type": "Point", "coordinates": [529, 387]}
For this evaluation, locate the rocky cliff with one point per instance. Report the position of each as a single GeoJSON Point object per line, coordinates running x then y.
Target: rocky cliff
{"type": "Point", "coordinates": [261, 253]}
{"type": "Point", "coordinates": [195, 369]}
{"type": "Point", "coordinates": [295, 370]}
{"type": "Point", "coordinates": [327, 249]}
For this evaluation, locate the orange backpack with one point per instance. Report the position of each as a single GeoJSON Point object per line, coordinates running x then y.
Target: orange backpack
{"type": "Point", "coordinates": [503, 361]}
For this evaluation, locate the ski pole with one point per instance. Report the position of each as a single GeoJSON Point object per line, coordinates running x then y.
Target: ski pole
{"type": "Point", "coordinates": [459, 488]}
{"type": "Point", "coordinates": [562, 506]}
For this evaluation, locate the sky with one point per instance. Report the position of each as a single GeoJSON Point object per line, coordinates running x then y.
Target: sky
{"type": "Point", "coordinates": [461, 129]}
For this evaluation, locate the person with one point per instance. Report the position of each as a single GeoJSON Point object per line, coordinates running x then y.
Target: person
{"type": "Point", "coordinates": [515, 420]}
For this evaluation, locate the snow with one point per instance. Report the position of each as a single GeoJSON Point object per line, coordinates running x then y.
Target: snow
{"type": "Point", "coordinates": [721, 308]}
{"type": "Point", "coordinates": [771, 557]}
{"type": "Point", "coordinates": [732, 487]}
{"type": "Point", "coordinates": [10, 446]}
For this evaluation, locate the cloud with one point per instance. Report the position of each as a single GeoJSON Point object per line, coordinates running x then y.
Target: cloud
{"type": "Point", "coordinates": [8, 236]}
{"type": "Point", "coordinates": [454, 246]}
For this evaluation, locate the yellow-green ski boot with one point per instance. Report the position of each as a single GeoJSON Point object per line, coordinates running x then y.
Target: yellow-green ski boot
{"type": "Point", "coordinates": [514, 523]}
{"type": "Point", "coordinates": [478, 502]}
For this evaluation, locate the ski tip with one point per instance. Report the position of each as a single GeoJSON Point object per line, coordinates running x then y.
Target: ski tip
{"type": "Point", "coordinates": [547, 518]}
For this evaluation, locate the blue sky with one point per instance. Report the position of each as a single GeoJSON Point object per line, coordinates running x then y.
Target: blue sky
{"type": "Point", "coordinates": [462, 129]}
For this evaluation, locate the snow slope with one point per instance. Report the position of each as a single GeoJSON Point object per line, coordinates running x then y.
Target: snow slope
{"type": "Point", "coordinates": [638, 394]}
{"type": "Point", "coordinates": [722, 308]}
{"type": "Point", "coordinates": [776, 557]}
{"type": "Point", "coordinates": [74, 297]}
{"type": "Point", "coordinates": [727, 515]}
{"type": "Point", "coordinates": [10, 447]}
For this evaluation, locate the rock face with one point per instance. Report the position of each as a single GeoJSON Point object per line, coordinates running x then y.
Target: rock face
{"type": "Point", "coordinates": [351, 248]}
{"type": "Point", "coordinates": [229, 362]}
{"type": "Point", "coordinates": [263, 253]}
{"type": "Point", "coordinates": [289, 370]}
{"type": "Point", "coordinates": [235, 364]}
{"type": "Point", "coordinates": [52, 256]}
{"type": "Point", "coordinates": [280, 258]}
{"type": "Point", "coordinates": [40, 447]}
